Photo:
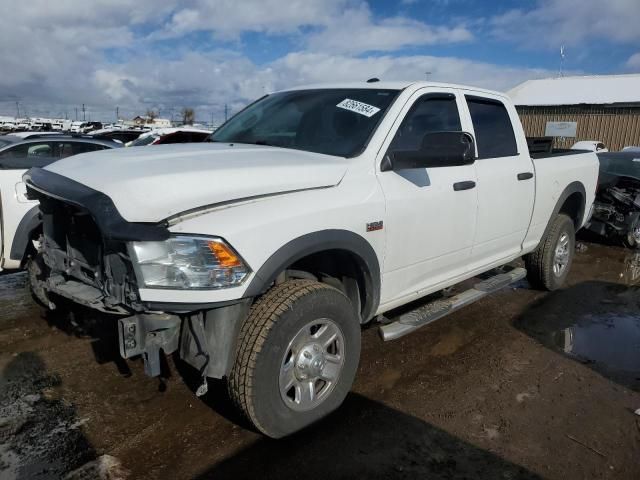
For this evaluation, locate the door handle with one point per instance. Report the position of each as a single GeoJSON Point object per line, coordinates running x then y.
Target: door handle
{"type": "Point", "coordinates": [525, 176]}
{"type": "Point", "coordinates": [466, 185]}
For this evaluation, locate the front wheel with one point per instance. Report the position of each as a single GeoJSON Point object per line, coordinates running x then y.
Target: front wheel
{"type": "Point", "coordinates": [37, 273]}
{"type": "Point", "coordinates": [548, 265]}
{"type": "Point", "coordinates": [297, 356]}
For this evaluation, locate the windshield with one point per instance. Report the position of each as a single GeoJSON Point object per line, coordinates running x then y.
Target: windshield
{"type": "Point", "coordinates": [4, 143]}
{"type": "Point", "coordinates": [334, 122]}
{"type": "Point", "coordinates": [143, 140]}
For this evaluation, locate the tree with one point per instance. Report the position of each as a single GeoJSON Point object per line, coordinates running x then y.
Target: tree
{"type": "Point", "coordinates": [188, 116]}
{"type": "Point", "coordinates": [151, 115]}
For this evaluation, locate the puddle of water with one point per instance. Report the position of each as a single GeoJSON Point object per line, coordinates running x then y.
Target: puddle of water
{"type": "Point", "coordinates": [610, 339]}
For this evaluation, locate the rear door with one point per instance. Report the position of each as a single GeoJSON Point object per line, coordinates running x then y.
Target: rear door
{"type": "Point", "coordinates": [429, 223]}
{"type": "Point", "coordinates": [506, 183]}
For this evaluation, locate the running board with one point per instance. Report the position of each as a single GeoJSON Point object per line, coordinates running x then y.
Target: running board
{"type": "Point", "coordinates": [437, 309]}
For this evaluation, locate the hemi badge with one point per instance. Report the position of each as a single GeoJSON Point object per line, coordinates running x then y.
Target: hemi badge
{"type": "Point", "coordinates": [373, 226]}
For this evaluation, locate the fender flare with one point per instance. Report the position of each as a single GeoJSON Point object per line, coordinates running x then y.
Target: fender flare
{"type": "Point", "coordinates": [573, 187]}
{"type": "Point", "coordinates": [317, 242]}
{"type": "Point", "coordinates": [30, 221]}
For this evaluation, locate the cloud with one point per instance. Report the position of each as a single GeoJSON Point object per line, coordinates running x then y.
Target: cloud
{"type": "Point", "coordinates": [357, 32]}
{"type": "Point", "coordinates": [308, 67]}
{"type": "Point", "coordinates": [230, 18]}
{"type": "Point", "coordinates": [552, 23]}
{"type": "Point", "coordinates": [56, 56]}
{"type": "Point", "coordinates": [633, 63]}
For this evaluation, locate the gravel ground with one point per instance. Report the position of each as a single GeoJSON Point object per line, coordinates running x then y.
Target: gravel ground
{"type": "Point", "coordinates": [523, 384]}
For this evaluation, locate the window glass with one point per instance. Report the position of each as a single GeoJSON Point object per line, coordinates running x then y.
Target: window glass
{"type": "Point", "coordinates": [429, 114]}
{"type": "Point", "coordinates": [24, 150]}
{"type": "Point", "coordinates": [177, 137]}
{"type": "Point", "coordinates": [331, 121]}
{"type": "Point", "coordinates": [144, 139]}
{"type": "Point", "coordinates": [493, 128]}
{"type": "Point", "coordinates": [67, 149]}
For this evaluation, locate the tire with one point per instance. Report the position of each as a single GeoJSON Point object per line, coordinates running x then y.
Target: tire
{"type": "Point", "coordinates": [632, 239]}
{"type": "Point", "coordinates": [282, 326]}
{"type": "Point", "coordinates": [541, 262]}
{"type": "Point", "coordinates": [36, 271]}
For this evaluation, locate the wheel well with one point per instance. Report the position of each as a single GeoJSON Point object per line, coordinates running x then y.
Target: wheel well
{"type": "Point", "coordinates": [339, 268]}
{"type": "Point", "coordinates": [573, 206]}
{"type": "Point", "coordinates": [30, 249]}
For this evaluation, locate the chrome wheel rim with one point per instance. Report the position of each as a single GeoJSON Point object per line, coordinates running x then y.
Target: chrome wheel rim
{"type": "Point", "coordinates": [561, 255]}
{"type": "Point", "coordinates": [311, 365]}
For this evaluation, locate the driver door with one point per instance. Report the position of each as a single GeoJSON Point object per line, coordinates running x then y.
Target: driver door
{"type": "Point", "coordinates": [430, 212]}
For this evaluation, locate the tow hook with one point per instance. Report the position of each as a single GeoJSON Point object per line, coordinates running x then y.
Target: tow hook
{"type": "Point", "coordinates": [146, 335]}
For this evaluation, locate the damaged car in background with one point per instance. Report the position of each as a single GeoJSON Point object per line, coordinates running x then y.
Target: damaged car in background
{"type": "Point", "coordinates": [616, 211]}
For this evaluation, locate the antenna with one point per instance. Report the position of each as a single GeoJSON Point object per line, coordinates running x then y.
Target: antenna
{"type": "Point", "coordinates": [560, 73]}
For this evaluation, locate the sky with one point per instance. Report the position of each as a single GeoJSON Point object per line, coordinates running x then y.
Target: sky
{"type": "Point", "coordinates": [163, 55]}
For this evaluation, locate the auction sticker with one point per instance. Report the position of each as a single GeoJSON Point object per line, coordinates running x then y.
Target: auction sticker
{"type": "Point", "coordinates": [358, 107]}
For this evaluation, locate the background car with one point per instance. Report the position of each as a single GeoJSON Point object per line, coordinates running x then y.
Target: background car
{"type": "Point", "coordinates": [120, 134]}
{"type": "Point", "coordinates": [616, 210]}
{"type": "Point", "coordinates": [20, 217]}
{"type": "Point", "coordinates": [591, 145]}
{"type": "Point", "coordinates": [171, 135]}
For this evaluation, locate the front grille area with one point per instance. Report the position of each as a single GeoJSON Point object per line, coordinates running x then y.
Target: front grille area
{"type": "Point", "coordinates": [84, 265]}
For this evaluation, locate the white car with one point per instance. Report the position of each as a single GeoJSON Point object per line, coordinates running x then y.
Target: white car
{"type": "Point", "coordinates": [591, 145]}
{"type": "Point", "coordinates": [20, 220]}
{"type": "Point", "coordinates": [313, 211]}
{"type": "Point", "coordinates": [7, 126]}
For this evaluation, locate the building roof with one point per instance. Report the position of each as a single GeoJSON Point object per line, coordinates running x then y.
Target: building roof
{"type": "Point", "coordinates": [591, 90]}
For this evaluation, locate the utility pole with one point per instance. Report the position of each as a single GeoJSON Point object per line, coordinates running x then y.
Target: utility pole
{"type": "Point", "coordinates": [226, 112]}
{"type": "Point", "coordinates": [18, 109]}
{"type": "Point", "coordinates": [84, 114]}
{"type": "Point", "coordinates": [117, 114]}
{"type": "Point", "coordinates": [76, 113]}
{"type": "Point", "coordinates": [211, 119]}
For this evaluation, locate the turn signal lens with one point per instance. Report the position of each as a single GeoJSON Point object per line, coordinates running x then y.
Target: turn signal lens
{"type": "Point", "coordinates": [224, 254]}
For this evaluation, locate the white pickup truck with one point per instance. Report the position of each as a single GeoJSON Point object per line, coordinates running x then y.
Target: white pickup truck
{"type": "Point", "coordinates": [313, 211]}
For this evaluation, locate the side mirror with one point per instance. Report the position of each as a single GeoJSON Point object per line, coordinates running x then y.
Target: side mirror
{"type": "Point", "coordinates": [439, 149]}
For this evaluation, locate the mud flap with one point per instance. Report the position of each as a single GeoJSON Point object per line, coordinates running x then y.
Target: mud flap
{"type": "Point", "coordinates": [146, 335]}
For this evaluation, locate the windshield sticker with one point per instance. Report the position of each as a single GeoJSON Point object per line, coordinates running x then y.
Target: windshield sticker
{"type": "Point", "coordinates": [358, 107]}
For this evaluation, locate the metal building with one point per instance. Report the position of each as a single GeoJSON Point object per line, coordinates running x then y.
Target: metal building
{"type": "Point", "coordinates": [599, 107]}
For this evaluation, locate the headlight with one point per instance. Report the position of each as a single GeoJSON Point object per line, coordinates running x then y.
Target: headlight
{"type": "Point", "coordinates": [188, 262]}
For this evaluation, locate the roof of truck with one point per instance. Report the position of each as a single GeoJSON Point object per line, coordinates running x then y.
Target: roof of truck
{"type": "Point", "coordinates": [393, 85]}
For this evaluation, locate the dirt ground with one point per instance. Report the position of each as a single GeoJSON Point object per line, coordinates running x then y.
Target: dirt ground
{"type": "Point", "coordinates": [521, 385]}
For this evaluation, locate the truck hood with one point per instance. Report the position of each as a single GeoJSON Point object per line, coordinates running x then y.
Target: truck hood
{"type": "Point", "coordinates": [150, 184]}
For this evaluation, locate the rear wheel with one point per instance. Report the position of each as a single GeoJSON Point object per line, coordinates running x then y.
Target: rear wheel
{"type": "Point", "coordinates": [297, 356]}
{"type": "Point", "coordinates": [548, 265]}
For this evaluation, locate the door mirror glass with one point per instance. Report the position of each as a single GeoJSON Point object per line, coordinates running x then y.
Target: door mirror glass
{"type": "Point", "coordinates": [437, 149]}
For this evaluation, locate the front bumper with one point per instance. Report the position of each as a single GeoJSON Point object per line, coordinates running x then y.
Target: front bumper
{"type": "Point", "coordinates": [206, 339]}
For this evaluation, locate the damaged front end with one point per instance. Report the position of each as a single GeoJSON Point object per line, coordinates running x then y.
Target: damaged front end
{"type": "Point", "coordinates": [616, 210]}
{"type": "Point", "coordinates": [84, 257]}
